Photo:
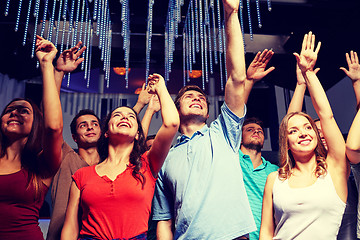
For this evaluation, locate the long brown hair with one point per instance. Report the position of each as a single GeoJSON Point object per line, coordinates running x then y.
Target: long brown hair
{"type": "Point", "coordinates": [287, 161]}
{"type": "Point", "coordinates": [32, 150]}
{"type": "Point", "coordinates": [139, 148]}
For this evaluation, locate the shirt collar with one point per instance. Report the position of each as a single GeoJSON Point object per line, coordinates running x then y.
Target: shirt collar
{"type": "Point", "coordinates": [183, 138]}
{"type": "Point", "coordinates": [247, 159]}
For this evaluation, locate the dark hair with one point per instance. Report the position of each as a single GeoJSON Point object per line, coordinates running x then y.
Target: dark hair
{"type": "Point", "coordinates": [184, 89]}
{"type": "Point", "coordinates": [150, 137]}
{"type": "Point", "coordinates": [253, 120]}
{"type": "Point", "coordinates": [32, 149]}
{"type": "Point", "coordinates": [81, 113]}
{"type": "Point", "coordinates": [139, 148]}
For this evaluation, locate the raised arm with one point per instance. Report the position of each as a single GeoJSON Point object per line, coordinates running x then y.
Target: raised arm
{"type": "Point", "coordinates": [235, 59]}
{"type": "Point", "coordinates": [297, 99]}
{"type": "Point", "coordinates": [336, 146]}
{"type": "Point", "coordinates": [164, 230]}
{"type": "Point", "coordinates": [353, 139]}
{"type": "Point", "coordinates": [70, 230]}
{"type": "Point", "coordinates": [169, 127]}
{"type": "Point", "coordinates": [353, 73]}
{"type": "Point", "coordinates": [267, 216]}
{"type": "Point", "coordinates": [143, 99]}
{"type": "Point", "coordinates": [153, 107]}
{"type": "Point", "coordinates": [67, 62]}
{"type": "Point", "coordinates": [53, 121]}
{"type": "Point", "coordinates": [256, 70]}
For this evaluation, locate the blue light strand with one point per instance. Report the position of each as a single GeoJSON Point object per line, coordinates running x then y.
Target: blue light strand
{"type": "Point", "coordinates": [148, 38]}
{"type": "Point", "coordinates": [190, 47]}
{"type": "Point", "coordinates": [224, 37]}
{"type": "Point", "coordinates": [70, 31]}
{"type": "Point", "coordinates": [35, 32]}
{"type": "Point", "coordinates": [205, 56]}
{"type": "Point", "coordinates": [242, 23]}
{"type": "Point", "coordinates": [74, 37]}
{"type": "Point", "coordinates": [18, 16]}
{"type": "Point", "coordinates": [210, 50]}
{"type": "Point", "coordinates": [95, 9]}
{"type": "Point", "coordinates": [89, 61]}
{"type": "Point", "coordinates": [36, 8]}
{"type": "Point", "coordinates": [89, 31]}
{"type": "Point", "coordinates": [51, 25]}
{"type": "Point", "coordinates": [258, 13]}
{"type": "Point", "coordinates": [43, 24]}
{"type": "Point", "coordinates": [65, 9]}
{"type": "Point", "coordinates": [219, 27]}
{"type": "Point", "coordinates": [7, 8]}
{"type": "Point", "coordinates": [197, 26]}
{"type": "Point", "coordinates": [184, 57]}
{"type": "Point", "coordinates": [214, 33]}
{"type": "Point", "coordinates": [192, 31]}
{"type": "Point", "coordinates": [269, 5]}
{"type": "Point", "coordinates": [68, 80]}
{"type": "Point", "coordinates": [98, 18]}
{"type": "Point", "coordinates": [63, 35]}
{"type": "Point", "coordinates": [58, 23]}
{"type": "Point", "coordinates": [249, 18]}
{"type": "Point", "coordinates": [82, 21]}
{"type": "Point", "coordinates": [27, 23]}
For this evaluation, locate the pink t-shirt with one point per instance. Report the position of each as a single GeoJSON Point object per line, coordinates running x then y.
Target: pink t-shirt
{"type": "Point", "coordinates": [114, 209]}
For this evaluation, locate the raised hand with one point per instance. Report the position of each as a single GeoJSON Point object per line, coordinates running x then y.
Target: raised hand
{"type": "Point", "coordinates": [354, 67]}
{"type": "Point", "coordinates": [308, 55]}
{"type": "Point", "coordinates": [156, 83]}
{"type": "Point", "coordinates": [45, 50]}
{"type": "Point", "coordinates": [300, 78]}
{"type": "Point", "coordinates": [70, 59]}
{"type": "Point", "coordinates": [231, 5]}
{"type": "Point", "coordinates": [256, 70]}
{"type": "Point", "coordinates": [154, 103]}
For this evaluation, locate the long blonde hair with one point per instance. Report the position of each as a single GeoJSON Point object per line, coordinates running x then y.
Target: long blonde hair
{"type": "Point", "coordinates": [286, 160]}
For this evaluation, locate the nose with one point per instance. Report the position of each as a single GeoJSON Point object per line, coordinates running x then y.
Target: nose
{"type": "Point", "coordinates": [14, 112]}
{"type": "Point", "coordinates": [196, 99]}
{"type": "Point", "coordinates": [302, 133]}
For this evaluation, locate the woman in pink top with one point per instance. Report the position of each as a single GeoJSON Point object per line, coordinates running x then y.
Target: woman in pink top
{"type": "Point", "coordinates": [116, 194]}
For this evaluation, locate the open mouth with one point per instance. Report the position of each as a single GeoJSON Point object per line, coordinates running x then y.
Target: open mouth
{"type": "Point", "coordinates": [13, 122]}
{"type": "Point", "coordinates": [124, 124]}
{"type": "Point", "coordinates": [305, 142]}
{"type": "Point", "coordinates": [196, 105]}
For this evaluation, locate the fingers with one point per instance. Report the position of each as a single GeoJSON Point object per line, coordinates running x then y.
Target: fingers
{"type": "Point", "coordinates": [344, 70]}
{"type": "Point", "coordinates": [316, 70]}
{"type": "Point", "coordinates": [318, 48]}
{"type": "Point", "coordinates": [312, 41]}
{"type": "Point", "coordinates": [297, 56]}
{"type": "Point", "coordinates": [356, 58]}
{"type": "Point", "coordinates": [348, 59]}
{"type": "Point", "coordinates": [303, 47]}
{"type": "Point", "coordinates": [269, 70]}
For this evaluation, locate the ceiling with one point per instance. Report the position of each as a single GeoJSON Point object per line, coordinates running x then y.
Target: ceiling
{"type": "Point", "coordinates": [335, 23]}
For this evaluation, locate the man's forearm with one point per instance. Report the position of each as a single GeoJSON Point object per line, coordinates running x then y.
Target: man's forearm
{"type": "Point", "coordinates": [164, 230]}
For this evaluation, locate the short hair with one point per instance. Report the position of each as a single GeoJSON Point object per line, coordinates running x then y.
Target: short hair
{"type": "Point", "coordinates": [185, 89]}
{"type": "Point", "coordinates": [253, 120]}
{"type": "Point", "coordinates": [81, 113]}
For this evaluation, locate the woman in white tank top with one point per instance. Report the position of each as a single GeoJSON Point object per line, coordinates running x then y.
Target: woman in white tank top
{"type": "Point", "coordinates": [306, 198]}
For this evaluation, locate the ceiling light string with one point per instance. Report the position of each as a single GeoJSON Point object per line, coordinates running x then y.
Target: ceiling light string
{"type": "Point", "coordinates": [185, 52]}
{"type": "Point", "coordinates": [249, 18]}
{"type": "Point", "coordinates": [6, 12]}
{"type": "Point", "coordinates": [27, 23]}
{"type": "Point", "coordinates": [18, 16]}
{"type": "Point", "coordinates": [192, 32]}
{"type": "Point", "coordinates": [148, 38]}
{"type": "Point", "coordinates": [82, 21]}
{"type": "Point", "coordinates": [88, 47]}
{"type": "Point", "coordinates": [269, 5]}
{"type": "Point", "coordinates": [108, 63]}
{"type": "Point", "coordinates": [224, 48]}
{"type": "Point", "coordinates": [51, 24]}
{"type": "Point", "coordinates": [212, 6]}
{"type": "Point", "coordinates": [189, 44]}
{"type": "Point", "coordinates": [71, 27]}
{"type": "Point", "coordinates": [188, 52]}
{"type": "Point", "coordinates": [258, 13]}
{"type": "Point", "coordinates": [126, 46]}
{"type": "Point", "coordinates": [103, 28]}
{"type": "Point", "coordinates": [36, 14]}
{"type": "Point", "coordinates": [58, 23]}
{"type": "Point", "coordinates": [43, 23]}
{"type": "Point", "coordinates": [201, 23]}
{"type": "Point", "coordinates": [90, 57]}
{"type": "Point", "coordinates": [75, 34]}
{"type": "Point", "coordinates": [241, 7]}
{"type": "Point", "coordinates": [86, 30]}
{"type": "Point", "coordinates": [64, 25]}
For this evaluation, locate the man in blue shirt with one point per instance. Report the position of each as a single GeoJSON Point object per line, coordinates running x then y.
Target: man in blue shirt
{"type": "Point", "coordinates": [200, 192]}
{"type": "Point", "coordinates": [254, 167]}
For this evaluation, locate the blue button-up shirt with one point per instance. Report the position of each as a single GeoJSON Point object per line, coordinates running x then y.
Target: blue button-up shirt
{"type": "Point", "coordinates": [200, 186]}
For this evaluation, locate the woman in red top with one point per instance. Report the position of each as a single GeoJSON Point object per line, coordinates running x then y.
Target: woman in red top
{"type": "Point", "coordinates": [30, 153]}
{"type": "Point", "coordinates": [116, 194]}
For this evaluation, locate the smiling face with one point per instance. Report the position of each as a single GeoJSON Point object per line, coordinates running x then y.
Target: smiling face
{"type": "Point", "coordinates": [17, 119]}
{"type": "Point", "coordinates": [301, 135]}
{"type": "Point", "coordinates": [87, 131]}
{"type": "Point", "coordinates": [193, 104]}
{"type": "Point", "coordinates": [123, 122]}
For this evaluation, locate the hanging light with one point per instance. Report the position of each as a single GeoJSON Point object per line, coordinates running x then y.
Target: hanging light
{"type": "Point", "coordinates": [195, 73]}
{"type": "Point", "coordinates": [120, 70]}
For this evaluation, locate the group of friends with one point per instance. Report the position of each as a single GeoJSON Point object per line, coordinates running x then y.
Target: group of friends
{"type": "Point", "coordinates": [212, 184]}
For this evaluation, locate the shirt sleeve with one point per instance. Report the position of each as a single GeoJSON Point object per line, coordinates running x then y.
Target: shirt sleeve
{"type": "Point", "coordinates": [232, 126]}
{"type": "Point", "coordinates": [162, 201]}
{"type": "Point", "coordinates": [77, 177]}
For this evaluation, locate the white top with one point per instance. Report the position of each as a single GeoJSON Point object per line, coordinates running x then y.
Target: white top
{"type": "Point", "coordinates": [313, 212]}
